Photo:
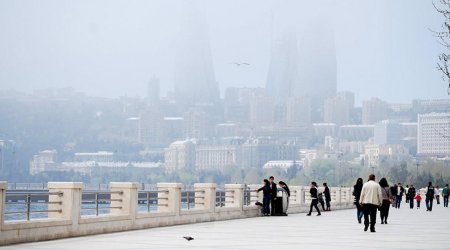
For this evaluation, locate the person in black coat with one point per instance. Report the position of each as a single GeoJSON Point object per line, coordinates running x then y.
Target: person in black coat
{"type": "Point", "coordinates": [274, 190]}
{"type": "Point", "coordinates": [314, 199]}
{"type": "Point", "coordinates": [357, 194]}
{"type": "Point", "coordinates": [394, 193]}
{"type": "Point", "coordinates": [267, 197]}
{"type": "Point", "coordinates": [411, 196]}
{"type": "Point", "coordinates": [327, 194]}
{"type": "Point", "coordinates": [429, 196]}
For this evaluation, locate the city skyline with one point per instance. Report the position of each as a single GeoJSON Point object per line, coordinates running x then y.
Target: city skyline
{"type": "Point", "coordinates": [376, 47]}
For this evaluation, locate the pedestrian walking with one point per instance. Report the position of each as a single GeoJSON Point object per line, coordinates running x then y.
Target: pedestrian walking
{"type": "Point", "coordinates": [437, 193]}
{"type": "Point", "coordinates": [357, 194]}
{"type": "Point", "coordinates": [387, 199]}
{"type": "Point", "coordinates": [394, 194]}
{"type": "Point", "coordinates": [429, 196]}
{"type": "Point", "coordinates": [314, 199]}
{"type": "Point", "coordinates": [407, 198]}
{"type": "Point", "coordinates": [371, 198]}
{"type": "Point", "coordinates": [445, 195]}
{"type": "Point", "coordinates": [411, 196]}
{"type": "Point", "coordinates": [327, 194]}
{"type": "Point", "coordinates": [418, 200]}
{"type": "Point", "coordinates": [398, 199]}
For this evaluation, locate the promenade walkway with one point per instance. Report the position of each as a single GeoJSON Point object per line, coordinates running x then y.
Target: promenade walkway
{"type": "Point", "coordinates": [407, 229]}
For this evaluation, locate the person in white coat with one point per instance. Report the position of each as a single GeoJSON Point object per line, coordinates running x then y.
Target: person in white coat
{"type": "Point", "coordinates": [370, 200]}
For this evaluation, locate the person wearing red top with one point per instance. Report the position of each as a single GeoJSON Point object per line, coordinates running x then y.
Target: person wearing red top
{"type": "Point", "coordinates": [418, 199]}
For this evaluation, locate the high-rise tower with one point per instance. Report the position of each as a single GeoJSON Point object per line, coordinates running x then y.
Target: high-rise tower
{"type": "Point", "coordinates": [317, 73]}
{"type": "Point", "coordinates": [194, 79]}
{"type": "Point", "coordinates": [283, 67]}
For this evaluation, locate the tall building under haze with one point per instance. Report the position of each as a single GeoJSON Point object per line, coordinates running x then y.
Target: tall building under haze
{"type": "Point", "coordinates": [283, 67]}
{"type": "Point", "coordinates": [303, 68]}
{"type": "Point", "coordinates": [317, 73]}
{"type": "Point", "coordinates": [194, 78]}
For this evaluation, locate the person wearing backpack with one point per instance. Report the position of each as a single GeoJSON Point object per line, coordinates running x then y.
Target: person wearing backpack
{"type": "Point", "coordinates": [445, 195]}
{"type": "Point", "coordinates": [429, 196]}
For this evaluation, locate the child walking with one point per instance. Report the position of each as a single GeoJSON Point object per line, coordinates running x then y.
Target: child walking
{"type": "Point", "coordinates": [418, 199]}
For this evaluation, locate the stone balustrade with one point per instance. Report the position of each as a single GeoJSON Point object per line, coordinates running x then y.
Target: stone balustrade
{"type": "Point", "coordinates": [65, 220]}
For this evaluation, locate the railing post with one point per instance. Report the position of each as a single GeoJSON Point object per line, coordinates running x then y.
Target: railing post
{"type": "Point", "coordinates": [295, 195]}
{"type": "Point", "coordinates": [69, 202]}
{"type": "Point", "coordinates": [254, 194]}
{"type": "Point", "coordinates": [169, 197]}
{"type": "Point", "coordinates": [305, 195]}
{"type": "Point", "coordinates": [205, 196]}
{"type": "Point", "coordinates": [3, 187]}
{"type": "Point", "coordinates": [234, 195]}
{"type": "Point", "coordinates": [339, 195]}
{"type": "Point", "coordinates": [124, 197]}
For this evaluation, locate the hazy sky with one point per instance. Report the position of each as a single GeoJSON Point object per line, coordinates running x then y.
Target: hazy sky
{"type": "Point", "coordinates": [112, 48]}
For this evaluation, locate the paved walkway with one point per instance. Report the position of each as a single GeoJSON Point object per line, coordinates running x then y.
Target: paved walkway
{"type": "Point", "coordinates": [407, 229]}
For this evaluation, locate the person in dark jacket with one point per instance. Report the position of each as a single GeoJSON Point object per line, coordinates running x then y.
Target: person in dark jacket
{"type": "Point", "coordinates": [394, 193]}
{"type": "Point", "coordinates": [288, 192]}
{"type": "Point", "coordinates": [273, 190]}
{"type": "Point", "coordinates": [411, 196]}
{"type": "Point", "coordinates": [267, 197]}
{"type": "Point", "coordinates": [314, 199]}
{"type": "Point", "coordinates": [357, 194]}
{"type": "Point", "coordinates": [386, 203]}
{"type": "Point", "coordinates": [407, 194]}
{"type": "Point", "coordinates": [429, 196]}
{"type": "Point", "coordinates": [327, 194]}
{"type": "Point", "coordinates": [398, 199]}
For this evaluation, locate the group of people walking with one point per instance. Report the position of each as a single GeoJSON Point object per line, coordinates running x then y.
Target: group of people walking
{"type": "Point", "coordinates": [317, 197]}
{"type": "Point", "coordinates": [372, 196]}
{"type": "Point", "coordinates": [369, 198]}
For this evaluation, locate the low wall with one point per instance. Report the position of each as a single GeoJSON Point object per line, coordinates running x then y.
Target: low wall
{"type": "Point", "coordinates": [66, 220]}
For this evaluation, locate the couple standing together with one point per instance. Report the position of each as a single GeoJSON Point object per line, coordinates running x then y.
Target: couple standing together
{"type": "Point", "coordinates": [369, 198]}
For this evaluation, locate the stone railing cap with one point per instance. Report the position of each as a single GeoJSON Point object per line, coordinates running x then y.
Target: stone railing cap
{"type": "Point", "coordinates": [3, 185]}
{"type": "Point", "coordinates": [205, 185]}
{"type": "Point", "coordinates": [78, 185]}
{"type": "Point", "coordinates": [234, 185]}
{"type": "Point", "coordinates": [169, 185]}
{"type": "Point", "coordinates": [123, 185]}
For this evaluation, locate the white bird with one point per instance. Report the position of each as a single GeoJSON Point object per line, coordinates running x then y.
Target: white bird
{"type": "Point", "coordinates": [240, 63]}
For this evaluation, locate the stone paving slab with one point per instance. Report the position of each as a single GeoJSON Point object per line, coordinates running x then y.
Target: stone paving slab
{"type": "Point", "coordinates": [407, 229]}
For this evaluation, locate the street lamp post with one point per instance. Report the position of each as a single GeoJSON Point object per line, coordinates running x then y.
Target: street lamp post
{"type": "Point", "coordinates": [340, 168]}
{"type": "Point", "coordinates": [417, 170]}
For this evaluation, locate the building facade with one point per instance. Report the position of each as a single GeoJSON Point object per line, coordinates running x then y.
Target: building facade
{"type": "Point", "coordinates": [433, 134]}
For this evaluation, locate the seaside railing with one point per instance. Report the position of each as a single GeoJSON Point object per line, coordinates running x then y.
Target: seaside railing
{"type": "Point", "coordinates": [99, 202]}
{"type": "Point", "coordinates": [22, 205]}
{"type": "Point", "coordinates": [65, 209]}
